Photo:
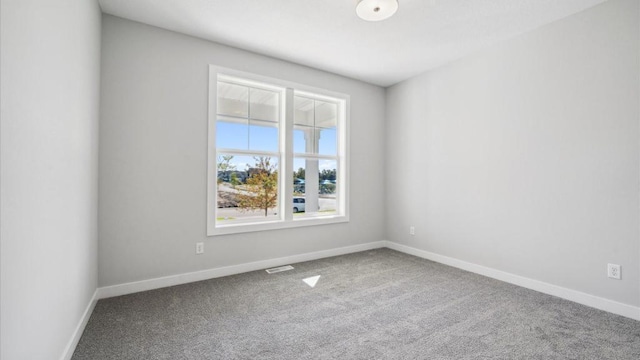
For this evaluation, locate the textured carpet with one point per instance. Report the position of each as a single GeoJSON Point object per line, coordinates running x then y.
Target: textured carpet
{"type": "Point", "coordinates": [378, 304]}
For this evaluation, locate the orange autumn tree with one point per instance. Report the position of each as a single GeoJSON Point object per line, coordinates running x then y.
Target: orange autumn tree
{"type": "Point", "coordinates": [261, 187]}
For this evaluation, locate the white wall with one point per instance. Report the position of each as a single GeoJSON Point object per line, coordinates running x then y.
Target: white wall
{"type": "Point", "coordinates": [153, 157]}
{"type": "Point", "coordinates": [525, 157]}
{"type": "Point", "coordinates": [49, 93]}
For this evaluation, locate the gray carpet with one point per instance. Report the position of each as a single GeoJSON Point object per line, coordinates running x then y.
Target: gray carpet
{"type": "Point", "coordinates": [378, 304]}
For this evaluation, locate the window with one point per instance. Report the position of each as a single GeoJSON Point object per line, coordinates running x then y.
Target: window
{"type": "Point", "coordinates": [277, 154]}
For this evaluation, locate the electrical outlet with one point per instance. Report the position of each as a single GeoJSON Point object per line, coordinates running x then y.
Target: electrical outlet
{"type": "Point", "coordinates": [613, 271]}
{"type": "Point", "coordinates": [199, 248]}
{"type": "Point", "coordinates": [412, 230]}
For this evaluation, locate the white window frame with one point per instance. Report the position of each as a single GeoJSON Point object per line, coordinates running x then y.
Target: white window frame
{"type": "Point", "coordinates": [285, 165]}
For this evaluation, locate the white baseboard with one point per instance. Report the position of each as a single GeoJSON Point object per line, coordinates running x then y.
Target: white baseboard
{"type": "Point", "coordinates": [151, 284]}
{"type": "Point", "coordinates": [611, 306]}
{"type": "Point", "coordinates": [77, 333]}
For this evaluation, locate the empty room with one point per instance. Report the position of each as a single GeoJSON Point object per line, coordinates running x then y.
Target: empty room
{"type": "Point", "coordinates": [319, 179]}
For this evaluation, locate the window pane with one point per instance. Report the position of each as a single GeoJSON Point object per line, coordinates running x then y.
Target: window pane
{"type": "Point", "coordinates": [232, 134]}
{"type": "Point", "coordinates": [299, 177]}
{"type": "Point", "coordinates": [327, 141]}
{"type": "Point", "coordinates": [302, 134]}
{"type": "Point", "coordinates": [233, 100]}
{"type": "Point", "coordinates": [263, 135]}
{"type": "Point", "coordinates": [315, 182]}
{"type": "Point", "coordinates": [326, 114]}
{"type": "Point", "coordinates": [247, 189]}
{"type": "Point", "coordinates": [328, 184]}
{"type": "Point", "coordinates": [264, 105]}
{"type": "Point", "coordinates": [315, 124]}
{"type": "Point", "coordinates": [303, 111]}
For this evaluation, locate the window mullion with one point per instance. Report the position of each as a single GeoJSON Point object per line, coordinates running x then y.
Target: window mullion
{"type": "Point", "coordinates": [315, 156]}
{"type": "Point", "coordinates": [247, 152]}
{"type": "Point", "coordinates": [287, 148]}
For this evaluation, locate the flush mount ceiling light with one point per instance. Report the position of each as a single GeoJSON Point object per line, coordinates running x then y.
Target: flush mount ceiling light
{"type": "Point", "coordinates": [376, 10]}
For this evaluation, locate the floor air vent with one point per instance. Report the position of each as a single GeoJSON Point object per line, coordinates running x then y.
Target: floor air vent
{"type": "Point", "coordinates": [279, 269]}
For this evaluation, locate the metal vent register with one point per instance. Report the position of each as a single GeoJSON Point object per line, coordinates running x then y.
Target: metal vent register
{"type": "Point", "coordinates": [279, 269]}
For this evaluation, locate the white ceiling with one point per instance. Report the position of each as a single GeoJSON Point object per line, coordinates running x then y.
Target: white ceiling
{"type": "Point", "coordinates": [327, 34]}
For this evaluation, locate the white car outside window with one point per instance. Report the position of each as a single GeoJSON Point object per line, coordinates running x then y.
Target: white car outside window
{"type": "Point", "coordinates": [298, 204]}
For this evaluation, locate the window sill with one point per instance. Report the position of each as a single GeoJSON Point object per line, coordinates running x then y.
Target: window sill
{"type": "Point", "coordinates": [277, 225]}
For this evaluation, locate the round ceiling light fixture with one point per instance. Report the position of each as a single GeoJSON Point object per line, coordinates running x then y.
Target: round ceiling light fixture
{"type": "Point", "coordinates": [376, 10]}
